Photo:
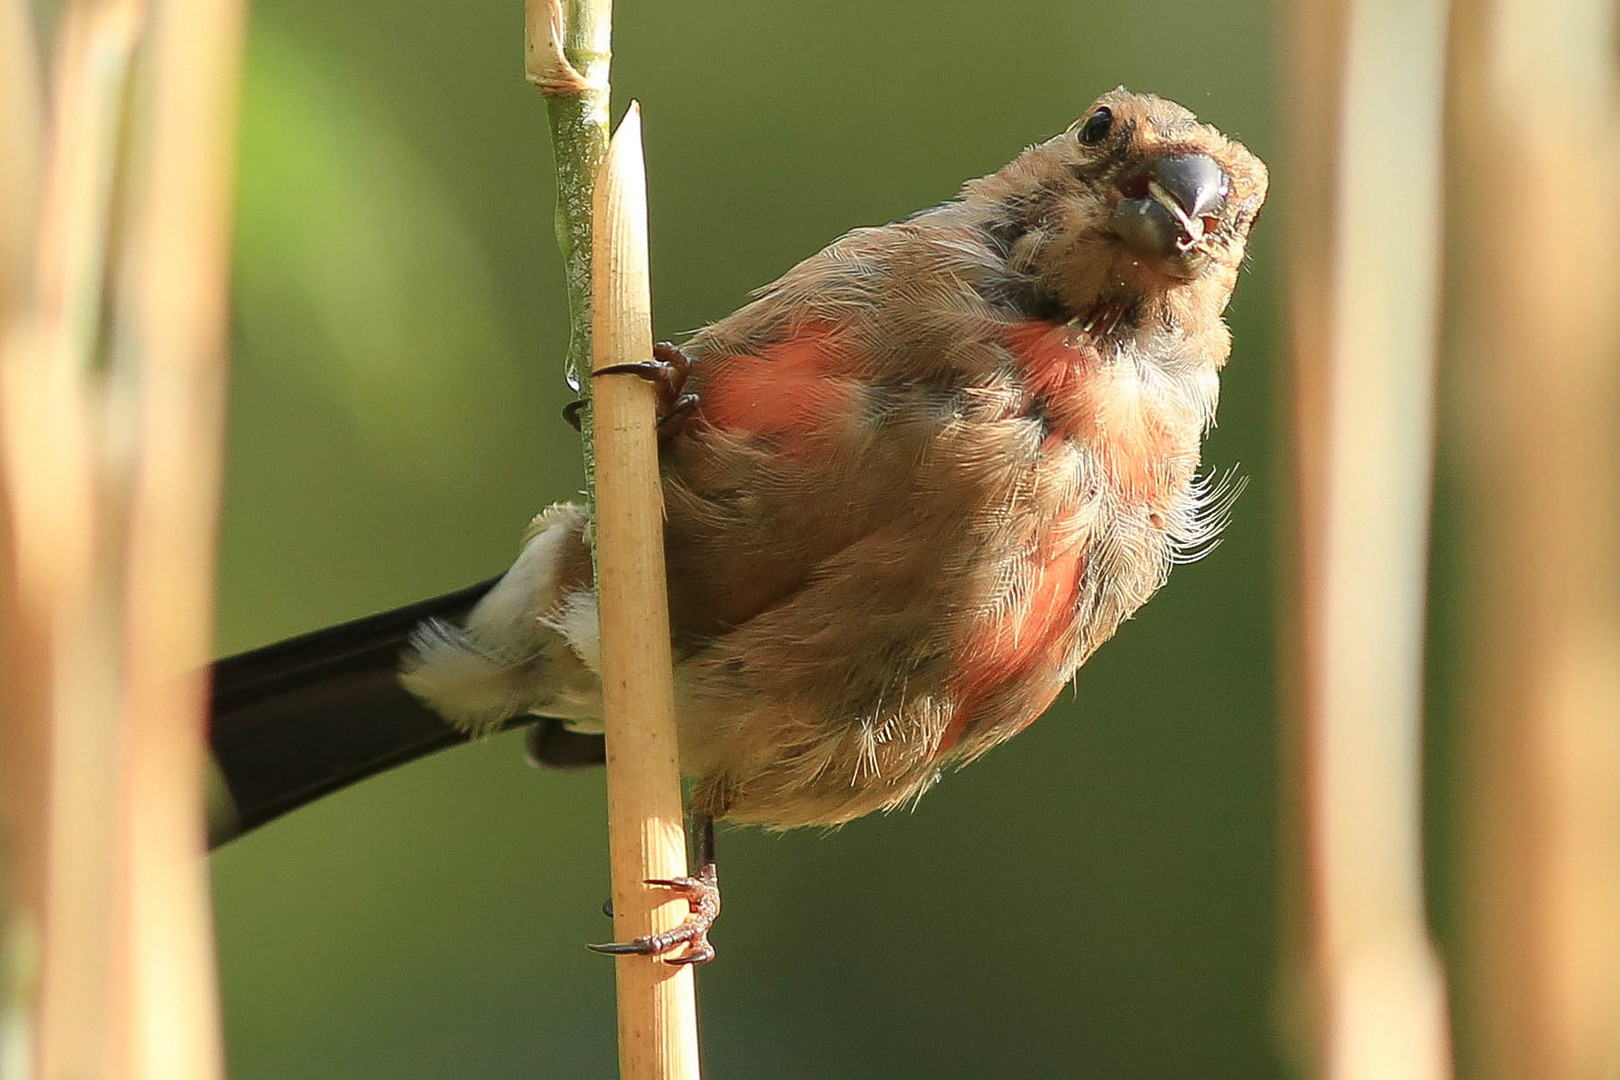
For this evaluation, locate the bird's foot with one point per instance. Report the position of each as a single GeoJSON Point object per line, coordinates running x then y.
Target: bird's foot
{"type": "Point", "coordinates": [667, 371]}
{"type": "Point", "coordinates": [552, 745]}
{"type": "Point", "coordinates": [702, 895]}
{"type": "Point", "coordinates": [572, 410]}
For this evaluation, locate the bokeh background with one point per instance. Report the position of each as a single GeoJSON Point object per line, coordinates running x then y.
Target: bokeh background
{"type": "Point", "coordinates": [1097, 898]}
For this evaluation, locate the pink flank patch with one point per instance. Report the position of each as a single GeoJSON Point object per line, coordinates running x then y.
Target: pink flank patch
{"type": "Point", "coordinates": [792, 391]}
{"type": "Point", "coordinates": [1021, 641]}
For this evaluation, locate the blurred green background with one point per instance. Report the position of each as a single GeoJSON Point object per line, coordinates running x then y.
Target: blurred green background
{"type": "Point", "coordinates": [1098, 898]}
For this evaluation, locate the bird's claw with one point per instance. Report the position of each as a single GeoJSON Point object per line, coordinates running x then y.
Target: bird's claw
{"type": "Point", "coordinates": [667, 371]}
{"type": "Point", "coordinates": [551, 744]}
{"type": "Point", "coordinates": [672, 420]}
{"type": "Point", "coordinates": [572, 410]}
{"type": "Point", "coordinates": [702, 895]}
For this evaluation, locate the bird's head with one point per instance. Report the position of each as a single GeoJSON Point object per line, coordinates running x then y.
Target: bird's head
{"type": "Point", "coordinates": [1136, 201]}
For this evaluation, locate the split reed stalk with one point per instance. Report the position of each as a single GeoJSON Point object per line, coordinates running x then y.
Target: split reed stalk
{"type": "Point", "coordinates": [646, 830]}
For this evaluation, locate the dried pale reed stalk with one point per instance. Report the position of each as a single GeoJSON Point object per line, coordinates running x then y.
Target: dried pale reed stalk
{"type": "Point", "coordinates": [647, 836]}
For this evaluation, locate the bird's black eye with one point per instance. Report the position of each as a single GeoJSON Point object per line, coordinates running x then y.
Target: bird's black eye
{"type": "Point", "coordinates": [1097, 126]}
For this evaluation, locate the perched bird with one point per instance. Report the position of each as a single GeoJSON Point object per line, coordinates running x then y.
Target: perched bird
{"type": "Point", "coordinates": [909, 488]}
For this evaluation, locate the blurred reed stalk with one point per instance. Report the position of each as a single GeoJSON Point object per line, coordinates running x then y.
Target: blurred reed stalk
{"type": "Point", "coordinates": [1364, 235]}
{"type": "Point", "coordinates": [24, 735]}
{"type": "Point", "coordinates": [602, 230]}
{"type": "Point", "coordinates": [1534, 376]}
{"type": "Point", "coordinates": [112, 326]}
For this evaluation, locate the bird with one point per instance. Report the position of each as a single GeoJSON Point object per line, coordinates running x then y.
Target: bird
{"type": "Point", "coordinates": [909, 488]}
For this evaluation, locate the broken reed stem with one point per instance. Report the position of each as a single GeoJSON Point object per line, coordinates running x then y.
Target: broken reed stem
{"type": "Point", "coordinates": [646, 830]}
{"type": "Point", "coordinates": [1366, 279]}
{"type": "Point", "coordinates": [1534, 372]}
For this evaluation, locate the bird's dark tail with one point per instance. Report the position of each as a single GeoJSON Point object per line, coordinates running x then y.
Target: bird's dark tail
{"type": "Point", "coordinates": [300, 719]}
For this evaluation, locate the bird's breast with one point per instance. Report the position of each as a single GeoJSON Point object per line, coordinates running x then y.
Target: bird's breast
{"type": "Point", "coordinates": [1140, 421]}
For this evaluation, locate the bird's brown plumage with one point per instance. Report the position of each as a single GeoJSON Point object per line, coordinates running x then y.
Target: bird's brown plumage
{"type": "Point", "coordinates": [931, 470]}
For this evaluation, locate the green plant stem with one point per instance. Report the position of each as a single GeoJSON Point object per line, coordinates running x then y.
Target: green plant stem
{"type": "Point", "coordinates": [575, 85]}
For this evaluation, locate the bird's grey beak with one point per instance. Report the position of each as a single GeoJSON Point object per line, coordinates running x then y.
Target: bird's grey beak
{"type": "Point", "coordinates": [1167, 207]}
